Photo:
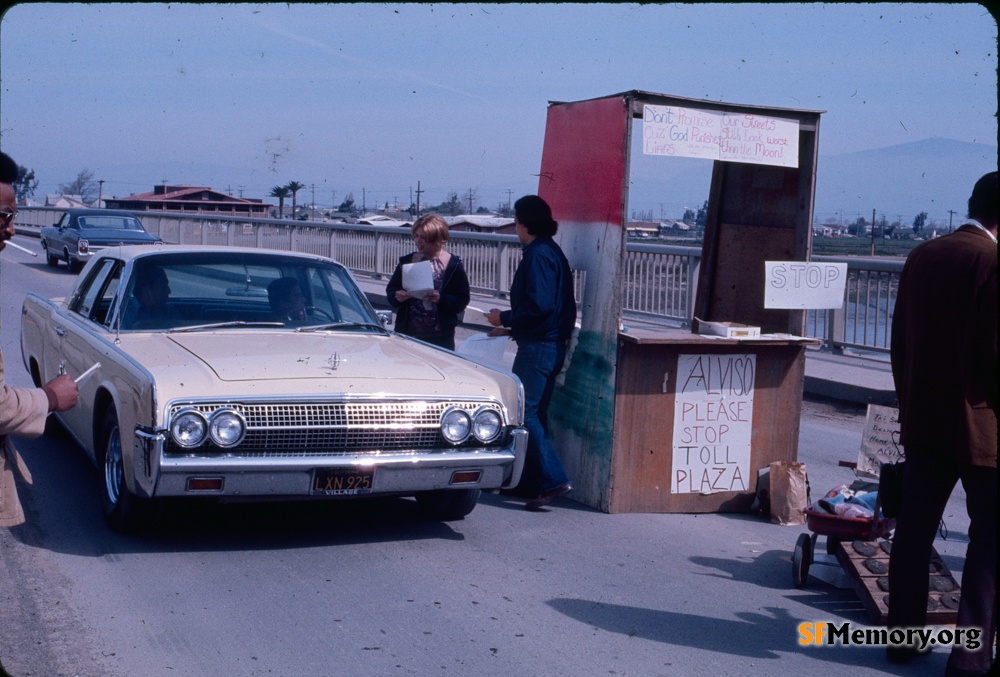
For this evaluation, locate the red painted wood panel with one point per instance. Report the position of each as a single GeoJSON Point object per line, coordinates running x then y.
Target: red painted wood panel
{"type": "Point", "coordinates": [583, 160]}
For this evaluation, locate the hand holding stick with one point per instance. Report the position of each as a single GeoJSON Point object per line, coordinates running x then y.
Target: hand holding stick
{"type": "Point", "coordinates": [87, 373]}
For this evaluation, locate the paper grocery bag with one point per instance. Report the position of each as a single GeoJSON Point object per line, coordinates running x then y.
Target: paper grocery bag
{"type": "Point", "coordinates": [789, 492]}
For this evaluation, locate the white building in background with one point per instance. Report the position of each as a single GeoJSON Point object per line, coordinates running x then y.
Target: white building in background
{"type": "Point", "coordinates": [65, 201]}
{"type": "Point", "coordinates": [481, 223]}
{"type": "Point", "coordinates": [381, 220]}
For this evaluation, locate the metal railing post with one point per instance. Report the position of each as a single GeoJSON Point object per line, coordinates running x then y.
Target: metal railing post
{"type": "Point", "coordinates": [835, 330]}
{"type": "Point", "coordinates": [379, 255]}
{"type": "Point", "coordinates": [694, 271]}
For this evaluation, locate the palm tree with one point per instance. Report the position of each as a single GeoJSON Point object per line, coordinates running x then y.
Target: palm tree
{"type": "Point", "coordinates": [294, 187]}
{"type": "Point", "coordinates": [280, 192]}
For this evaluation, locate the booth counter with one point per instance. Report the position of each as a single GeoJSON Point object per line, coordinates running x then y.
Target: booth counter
{"type": "Point", "coordinates": [696, 416]}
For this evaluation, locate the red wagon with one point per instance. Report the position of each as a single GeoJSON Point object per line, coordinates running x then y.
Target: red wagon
{"type": "Point", "coordinates": [836, 528]}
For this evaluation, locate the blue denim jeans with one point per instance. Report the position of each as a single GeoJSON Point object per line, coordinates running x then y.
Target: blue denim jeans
{"type": "Point", "coordinates": [537, 364]}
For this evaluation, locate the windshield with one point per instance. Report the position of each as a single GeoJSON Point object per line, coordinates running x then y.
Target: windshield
{"type": "Point", "coordinates": [234, 290]}
{"type": "Point", "coordinates": [109, 223]}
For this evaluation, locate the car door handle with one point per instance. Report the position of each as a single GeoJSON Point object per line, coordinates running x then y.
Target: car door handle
{"type": "Point", "coordinates": [60, 331]}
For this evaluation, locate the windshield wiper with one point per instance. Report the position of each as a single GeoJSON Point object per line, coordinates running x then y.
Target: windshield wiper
{"type": "Point", "coordinates": [222, 325]}
{"type": "Point", "coordinates": [342, 325]}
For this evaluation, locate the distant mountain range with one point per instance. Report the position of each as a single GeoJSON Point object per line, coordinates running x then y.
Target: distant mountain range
{"type": "Point", "coordinates": [932, 175]}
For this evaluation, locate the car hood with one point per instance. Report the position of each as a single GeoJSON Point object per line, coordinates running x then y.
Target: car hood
{"type": "Point", "coordinates": [265, 356]}
{"type": "Point", "coordinates": [279, 364]}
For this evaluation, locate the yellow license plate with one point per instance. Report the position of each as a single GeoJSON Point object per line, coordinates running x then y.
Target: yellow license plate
{"type": "Point", "coordinates": [343, 481]}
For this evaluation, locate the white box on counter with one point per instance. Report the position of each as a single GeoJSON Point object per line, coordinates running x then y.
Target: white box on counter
{"type": "Point", "coordinates": [734, 330]}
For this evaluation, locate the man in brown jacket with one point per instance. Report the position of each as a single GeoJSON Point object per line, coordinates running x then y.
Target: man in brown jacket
{"type": "Point", "coordinates": [22, 410]}
{"type": "Point", "coordinates": [944, 364]}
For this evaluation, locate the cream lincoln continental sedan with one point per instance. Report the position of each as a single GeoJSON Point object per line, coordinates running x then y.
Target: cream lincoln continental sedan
{"type": "Point", "coordinates": [252, 374]}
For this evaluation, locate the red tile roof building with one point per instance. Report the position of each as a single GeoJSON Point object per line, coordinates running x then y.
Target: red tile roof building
{"type": "Point", "coordinates": [189, 199]}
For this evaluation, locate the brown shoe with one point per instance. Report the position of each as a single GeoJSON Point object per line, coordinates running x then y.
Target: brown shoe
{"type": "Point", "coordinates": [545, 498]}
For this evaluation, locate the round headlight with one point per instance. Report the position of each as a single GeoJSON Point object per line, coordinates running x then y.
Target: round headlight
{"type": "Point", "coordinates": [227, 428]}
{"type": "Point", "coordinates": [456, 425]}
{"type": "Point", "coordinates": [486, 425]}
{"type": "Point", "coordinates": [189, 428]}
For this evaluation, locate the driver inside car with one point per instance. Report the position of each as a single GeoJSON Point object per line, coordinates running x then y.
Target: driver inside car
{"type": "Point", "coordinates": [148, 308]}
{"type": "Point", "coordinates": [287, 300]}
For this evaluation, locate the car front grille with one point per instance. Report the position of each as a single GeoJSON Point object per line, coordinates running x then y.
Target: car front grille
{"type": "Point", "coordinates": [314, 429]}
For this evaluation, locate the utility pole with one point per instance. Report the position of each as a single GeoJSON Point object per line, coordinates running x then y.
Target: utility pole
{"type": "Point", "coordinates": [873, 234]}
{"type": "Point", "coordinates": [313, 187]}
{"type": "Point", "coordinates": [951, 212]}
{"type": "Point", "coordinates": [100, 193]}
{"type": "Point", "coordinates": [364, 202]}
{"type": "Point", "coordinates": [418, 198]}
{"type": "Point", "coordinates": [509, 191]}
{"type": "Point", "coordinates": [470, 200]}
{"type": "Point", "coordinates": [240, 190]}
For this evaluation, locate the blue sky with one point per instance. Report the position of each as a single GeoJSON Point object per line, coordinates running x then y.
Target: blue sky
{"type": "Point", "coordinates": [376, 97]}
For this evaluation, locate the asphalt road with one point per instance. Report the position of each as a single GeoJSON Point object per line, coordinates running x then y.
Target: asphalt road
{"type": "Point", "coordinates": [371, 588]}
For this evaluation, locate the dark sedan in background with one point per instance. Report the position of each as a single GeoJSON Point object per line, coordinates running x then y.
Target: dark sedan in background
{"type": "Point", "coordinates": [81, 232]}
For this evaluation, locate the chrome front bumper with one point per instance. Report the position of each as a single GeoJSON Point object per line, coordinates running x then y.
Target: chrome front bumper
{"type": "Point", "coordinates": [157, 474]}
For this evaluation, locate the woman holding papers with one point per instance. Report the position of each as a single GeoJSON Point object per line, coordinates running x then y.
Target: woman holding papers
{"type": "Point", "coordinates": [429, 288]}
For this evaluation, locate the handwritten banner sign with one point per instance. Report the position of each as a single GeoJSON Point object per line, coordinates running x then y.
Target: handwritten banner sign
{"type": "Point", "coordinates": [880, 443]}
{"type": "Point", "coordinates": [714, 135]}
{"type": "Point", "coordinates": [713, 417]}
{"type": "Point", "coordinates": [804, 284]}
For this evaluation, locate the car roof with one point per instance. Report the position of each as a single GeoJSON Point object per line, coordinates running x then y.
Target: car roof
{"type": "Point", "coordinates": [130, 253]}
{"type": "Point", "coordinates": [81, 211]}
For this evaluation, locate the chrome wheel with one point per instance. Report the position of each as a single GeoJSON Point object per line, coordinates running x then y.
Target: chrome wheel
{"type": "Point", "coordinates": [125, 512]}
{"type": "Point", "coordinates": [113, 464]}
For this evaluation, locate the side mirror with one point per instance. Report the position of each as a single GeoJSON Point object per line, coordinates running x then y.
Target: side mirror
{"type": "Point", "coordinates": [384, 316]}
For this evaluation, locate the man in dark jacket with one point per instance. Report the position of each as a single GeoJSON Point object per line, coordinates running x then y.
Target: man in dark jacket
{"type": "Point", "coordinates": [944, 364]}
{"type": "Point", "coordinates": [540, 320]}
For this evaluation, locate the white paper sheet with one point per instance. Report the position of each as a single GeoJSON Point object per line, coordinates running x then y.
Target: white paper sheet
{"type": "Point", "coordinates": [489, 349]}
{"type": "Point", "coordinates": [418, 278]}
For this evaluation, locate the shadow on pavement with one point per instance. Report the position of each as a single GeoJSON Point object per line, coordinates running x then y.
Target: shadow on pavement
{"type": "Point", "coordinates": [757, 636]}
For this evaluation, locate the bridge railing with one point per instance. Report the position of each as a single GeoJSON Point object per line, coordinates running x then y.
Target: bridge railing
{"type": "Point", "coordinates": [660, 281]}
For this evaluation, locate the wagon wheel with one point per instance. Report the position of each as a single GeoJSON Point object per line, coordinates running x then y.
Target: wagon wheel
{"type": "Point", "coordinates": [801, 559]}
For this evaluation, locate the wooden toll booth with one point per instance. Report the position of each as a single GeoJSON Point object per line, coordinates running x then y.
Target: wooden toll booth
{"type": "Point", "coordinates": [668, 420]}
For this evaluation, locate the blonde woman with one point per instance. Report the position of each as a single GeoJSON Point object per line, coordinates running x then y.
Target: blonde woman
{"type": "Point", "coordinates": [432, 319]}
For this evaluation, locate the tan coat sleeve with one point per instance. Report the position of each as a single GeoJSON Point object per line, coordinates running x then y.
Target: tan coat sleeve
{"type": "Point", "coordinates": [22, 410]}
